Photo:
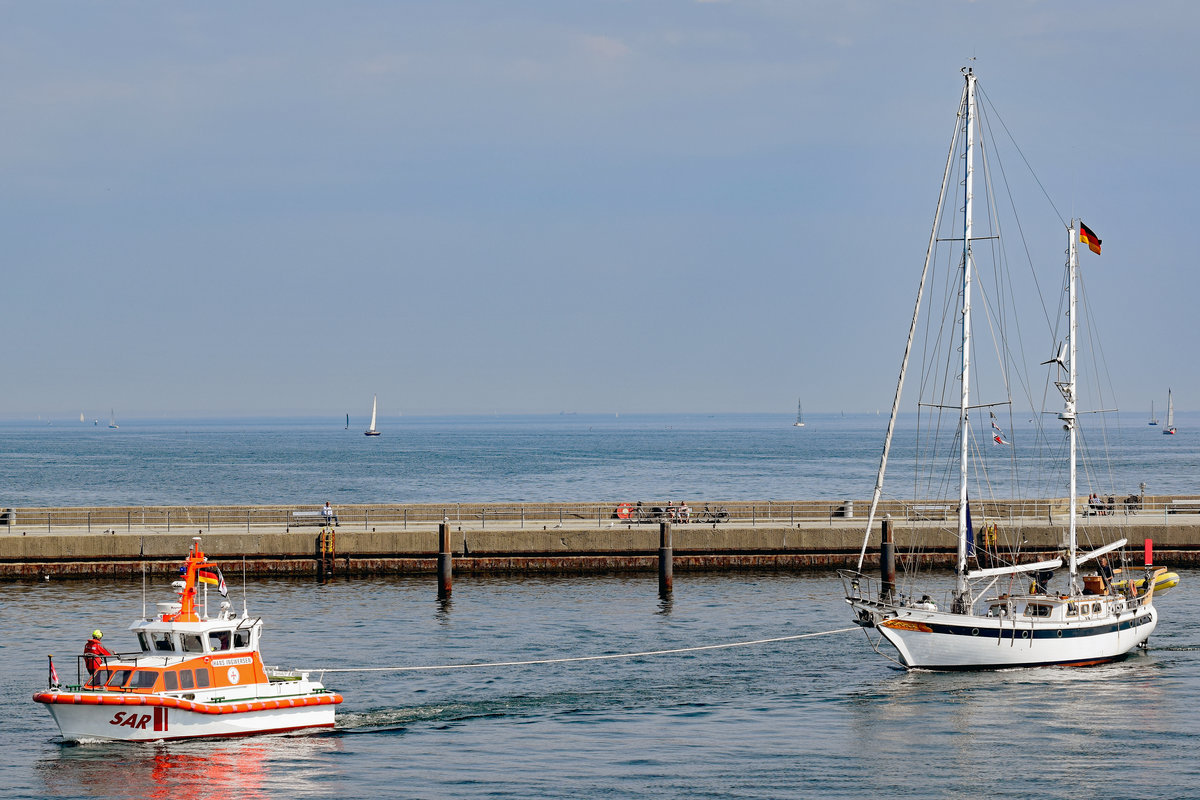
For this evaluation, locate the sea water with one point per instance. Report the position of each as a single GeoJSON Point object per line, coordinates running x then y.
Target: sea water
{"type": "Point", "coordinates": [568, 457]}
{"type": "Point", "coordinates": [821, 717]}
{"type": "Point", "coordinates": [815, 717]}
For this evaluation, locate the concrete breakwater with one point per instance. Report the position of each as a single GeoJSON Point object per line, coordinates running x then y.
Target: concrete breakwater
{"type": "Point", "coordinates": [548, 538]}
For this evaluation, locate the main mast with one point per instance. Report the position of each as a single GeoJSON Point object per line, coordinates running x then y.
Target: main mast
{"type": "Point", "coordinates": [1068, 416]}
{"type": "Point", "coordinates": [965, 397]}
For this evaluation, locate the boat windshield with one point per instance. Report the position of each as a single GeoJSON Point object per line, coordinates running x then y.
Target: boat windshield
{"type": "Point", "coordinates": [119, 678]}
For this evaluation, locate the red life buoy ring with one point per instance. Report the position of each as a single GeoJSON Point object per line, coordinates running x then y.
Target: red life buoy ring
{"type": "Point", "coordinates": [624, 511]}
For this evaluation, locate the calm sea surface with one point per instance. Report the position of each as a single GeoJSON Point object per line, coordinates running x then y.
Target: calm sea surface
{"type": "Point", "coordinates": [508, 459]}
{"type": "Point", "coordinates": [821, 717]}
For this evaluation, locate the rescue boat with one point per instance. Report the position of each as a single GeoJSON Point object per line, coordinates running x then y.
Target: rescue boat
{"type": "Point", "coordinates": [193, 676]}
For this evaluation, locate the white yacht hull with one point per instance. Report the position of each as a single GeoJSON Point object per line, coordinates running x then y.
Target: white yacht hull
{"type": "Point", "coordinates": [941, 640]}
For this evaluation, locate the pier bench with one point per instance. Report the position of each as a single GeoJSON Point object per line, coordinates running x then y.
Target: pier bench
{"type": "Point", "coordinates": [297, 518]}
{"type": "Point", "coordinates": [930, 511]}
{"type": "Point", "coordinates": [1184, 507]}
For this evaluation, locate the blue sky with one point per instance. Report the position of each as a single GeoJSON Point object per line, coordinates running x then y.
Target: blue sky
{"type": "Point", "coordinates": [279, 208]}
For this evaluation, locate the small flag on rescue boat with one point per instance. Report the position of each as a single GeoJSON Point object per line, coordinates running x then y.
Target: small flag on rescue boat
{"type": "Point", "coordinates": [53, 674]}
{"type": "Point", "coordinates": [213, 576]}
{"type": "Point", "coordinates": [1090, 239]}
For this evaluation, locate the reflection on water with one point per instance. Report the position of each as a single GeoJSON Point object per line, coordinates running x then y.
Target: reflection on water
{"type": "Point", "coordinates": [259, 767]}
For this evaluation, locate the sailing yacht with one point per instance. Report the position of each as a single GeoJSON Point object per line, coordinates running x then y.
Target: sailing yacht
{"type": "Point", "coordinates": [799, 423]}
{"type": "Point", "coordinates": [112, 419]}
{"type": "Point", "coordinates": [371, 431]}
{"type": "Point", "coordinates": [1170, 429]}
{"type": "Point", "coordinates": [1153, 419]}
{"type": "Point", "coordinates": [993, 616]}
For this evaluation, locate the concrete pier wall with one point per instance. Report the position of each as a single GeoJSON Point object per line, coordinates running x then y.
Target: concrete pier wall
{"type": "Point", "coordinates": [573, 545]}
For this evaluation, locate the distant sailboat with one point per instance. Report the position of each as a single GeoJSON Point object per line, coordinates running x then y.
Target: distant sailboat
{"type": "Point", "coordinates": [1153, 419]}
{"type": "Point", "coordinates": [1170, 429]}
{"type": "Point", "coordinates": [112, 419]}
{"type": "Point", "coordinates": [347, 422]}
{"type": "Point", "coordinates": [799, 423]}
{"type": "Point", "coordinates": [81, 416]}
{"type": "Point", "coordinates": [374, 407]}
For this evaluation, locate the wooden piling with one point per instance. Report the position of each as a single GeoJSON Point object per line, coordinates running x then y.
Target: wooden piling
{"type": "Point", "coordinates": [887, 563]}
{"type": "Point", "coordinates": [665, 569]}
{"type": "Point", "coordinates": [445, 561]}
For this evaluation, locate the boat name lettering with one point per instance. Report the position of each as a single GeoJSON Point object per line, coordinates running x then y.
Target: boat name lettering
{"type": "Point", "coordinates": [137, 721]}
{"type": "Point", "coordinates": [229, 662]}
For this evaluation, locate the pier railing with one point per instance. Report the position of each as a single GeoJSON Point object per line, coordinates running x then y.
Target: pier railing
{"type": "Point", "coordinates": [770, 513]}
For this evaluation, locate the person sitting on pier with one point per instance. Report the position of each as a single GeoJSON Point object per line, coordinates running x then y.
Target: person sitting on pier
{"type": "Point", "coordinates": [327, 512]}
{"type": "Point", "coordinates": [93, 650]}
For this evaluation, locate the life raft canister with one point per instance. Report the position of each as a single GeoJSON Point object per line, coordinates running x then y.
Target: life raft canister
{"type": "Point", "coordinates": [624, 511]}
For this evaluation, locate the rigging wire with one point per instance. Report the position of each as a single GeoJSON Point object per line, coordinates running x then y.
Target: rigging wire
{"type": "Point", "coordinates": [571, 659]}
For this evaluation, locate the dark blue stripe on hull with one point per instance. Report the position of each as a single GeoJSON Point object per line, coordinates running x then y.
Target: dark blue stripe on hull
{"type": "Point", "coordinates": [1026, 634]}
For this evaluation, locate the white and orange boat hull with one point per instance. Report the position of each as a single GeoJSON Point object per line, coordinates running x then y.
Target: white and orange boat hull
{"type": "Point", "coordinates": [127, 718]}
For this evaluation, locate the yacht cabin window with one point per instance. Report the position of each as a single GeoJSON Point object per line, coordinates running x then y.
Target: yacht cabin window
{"type": "Point", "coordinates": [1037, 610]}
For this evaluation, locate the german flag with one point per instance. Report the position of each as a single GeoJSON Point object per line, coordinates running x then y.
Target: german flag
{"type": "Point", "coordinates": [208, 576]}
{"type": "Point", "coordinates": [1090, 239]}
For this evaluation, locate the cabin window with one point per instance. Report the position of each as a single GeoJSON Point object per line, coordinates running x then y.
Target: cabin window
{"type": "Point", "coordinates": [1095, 608]}
{"type": "Point", "coordinates": [218, 640]}
{"type": "Point", "coordinates": [192, 643]}
{"type": "Point", "coordinates": [99, 678]}
{"type": "Point", "coordinates": [1072, 610]}
{"type": "Point", "coordinates": [163, 642]}
{"type": "Point", "coordinates": [119, 678]}
{"type": "Point", "coordinates": [241, 637]}
{"type": "Point", "coordinates": [143, 642]}
{"type": "Point", "coordinates": [1037, 610]}
{"type": "Point", "coordinates": [998, 610]}
{"type": "Point", "coordinates": [144, 679]}
{"type": "Point", "coordinates": [170, 681]}
{"type": "Point", "coordinates": [202, 678]}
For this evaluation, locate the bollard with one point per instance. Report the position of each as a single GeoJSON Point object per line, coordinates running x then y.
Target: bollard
{"type": "Point", "coordinates": [445, 561]}
{"type": "Point", "coordinates": [887, 563]}
{"type": "Point", "coordinates": [665, 576]}
{"type": "Point", "coordinates": [1149, 547]}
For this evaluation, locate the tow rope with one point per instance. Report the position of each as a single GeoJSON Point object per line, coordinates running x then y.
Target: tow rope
{"type": "Point", "coordinates": [585, 658]}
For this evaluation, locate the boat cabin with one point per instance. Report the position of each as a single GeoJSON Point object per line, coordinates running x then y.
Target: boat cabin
{"type": "Point", "coordinates": [1057, 608]}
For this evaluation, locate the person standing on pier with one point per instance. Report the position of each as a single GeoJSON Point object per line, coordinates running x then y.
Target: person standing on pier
{"type": "Point", "coordinates": [330, 517]}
